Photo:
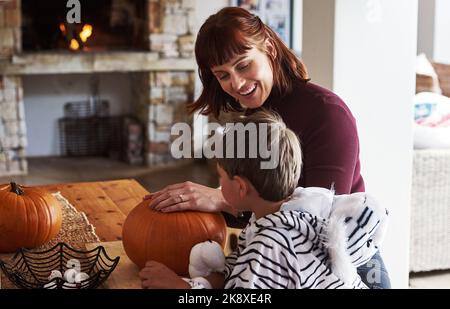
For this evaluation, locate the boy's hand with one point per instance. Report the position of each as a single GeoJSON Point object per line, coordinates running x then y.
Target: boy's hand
{"type": "Point", "coordinates": [158, 276]}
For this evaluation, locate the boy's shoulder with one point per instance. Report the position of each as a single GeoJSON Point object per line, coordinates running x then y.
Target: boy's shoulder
{"type": "Point", "coordinates": [272, 229]}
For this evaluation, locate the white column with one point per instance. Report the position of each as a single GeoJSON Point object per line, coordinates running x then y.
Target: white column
{"type": "Point", "coordinates": [372, 69]}
{"type": "Point", "coordinates": [442, 32]}
{"type": "Point", "coordinates": [434, 30]}
{"type": "Point", "coordinates": [318, 40]}
{"type": "Point", "coordinates": [203, 11]}
{"type": "Point", "coordinates": [297, 24]}
{"type": "Point", "coordinates": [425, 28]}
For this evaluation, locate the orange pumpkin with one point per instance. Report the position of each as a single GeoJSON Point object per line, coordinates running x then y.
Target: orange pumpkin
{"type": "Point", "coordinates": [29, 217]}
{"type": "Point", "coordinates": [168, 237]}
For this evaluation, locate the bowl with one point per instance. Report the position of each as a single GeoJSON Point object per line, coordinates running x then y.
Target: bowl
{"type": "Point", "coordinates": [59, 267]}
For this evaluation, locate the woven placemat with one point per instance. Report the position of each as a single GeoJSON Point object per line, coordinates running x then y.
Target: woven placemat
{"type": "Point", "coordinates": [75, 231]}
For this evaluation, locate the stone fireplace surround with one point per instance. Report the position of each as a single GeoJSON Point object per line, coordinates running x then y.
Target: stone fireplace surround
{"type": "Point", "coordinates": [163, 77]}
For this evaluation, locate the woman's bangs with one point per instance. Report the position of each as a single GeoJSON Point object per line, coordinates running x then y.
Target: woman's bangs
{"type": "Point", "coordinates": [224, 47]}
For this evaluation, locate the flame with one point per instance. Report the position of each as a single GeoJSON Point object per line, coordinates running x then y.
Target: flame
{"type": "Point", "coordinates": [62, 27]}
{"type": "Point", "coordinates": [86, 33]}
{"type": "Point", "coordinates": [74, 45]}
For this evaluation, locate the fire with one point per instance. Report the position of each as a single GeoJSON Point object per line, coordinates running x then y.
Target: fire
{"type": "Point", "coordinates": [62, 27]}
{"type": "Point", "coordinates": [76, 41]}
{"type": "Point", "coordinates": [86, 33]}
{"type": "Point", "coordinates": [74, 45]}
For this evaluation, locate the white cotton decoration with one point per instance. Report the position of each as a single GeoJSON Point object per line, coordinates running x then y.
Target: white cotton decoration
{"type": "Point", "coordinates": [75, 264]}
{"type": "Point", "coordinates": [55, 274]}
{"type": "Point", "coordinates": [196, 267]}
{"type": "Point", "coordinates": [69, 275]}
{"type": "Point", "coordinates": [198, 272]}
{"type": "Point", "coordinates": [81, 277]}
{"type": "Point", "coordinates": [206, 257]}
{"type": "Point", "coordinates": [195, 256]}
{"type": "Point", "coordinates": [212, 256]}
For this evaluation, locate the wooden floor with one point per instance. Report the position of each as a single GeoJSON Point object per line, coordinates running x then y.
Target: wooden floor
{"type": "Point", "coordinates": [44, 171]}
{"type": "Point", "coordinates": [51, 170]}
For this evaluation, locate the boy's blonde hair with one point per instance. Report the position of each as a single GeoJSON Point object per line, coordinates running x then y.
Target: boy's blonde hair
{"type": "Point", "coordinates": [274, 184]}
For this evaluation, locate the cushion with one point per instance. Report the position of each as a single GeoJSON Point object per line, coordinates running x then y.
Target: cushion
{"type": "Point", "coordinates": [432, 121]}
{"type": "Point", "coordinates": [426, 76]}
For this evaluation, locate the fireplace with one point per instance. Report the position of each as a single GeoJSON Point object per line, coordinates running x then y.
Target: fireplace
{"type": "Point", "coordinates": [104, 25]}
{"type": "Point", "coordinates": [148, 42]}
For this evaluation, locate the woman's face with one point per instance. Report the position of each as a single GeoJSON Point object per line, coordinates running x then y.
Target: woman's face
{"type": "Point", "coordinates": [248, 77]}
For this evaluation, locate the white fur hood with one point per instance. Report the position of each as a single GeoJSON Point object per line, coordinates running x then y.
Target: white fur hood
{"type": "Point", "coordinates": [350, 227]}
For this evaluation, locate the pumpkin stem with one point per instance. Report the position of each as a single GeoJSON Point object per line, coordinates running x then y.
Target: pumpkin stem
{"type": "Point", "coordinates": [16, 189]}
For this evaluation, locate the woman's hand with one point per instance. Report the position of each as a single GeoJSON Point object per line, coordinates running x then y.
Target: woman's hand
{"type": "Point", "coordinates": [158, 276]}
{"type": "Point", "coordinates": [188, 196]}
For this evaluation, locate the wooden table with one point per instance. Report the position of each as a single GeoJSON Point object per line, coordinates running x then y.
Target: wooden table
{"type": "Point", "coordinates": [105, 203]}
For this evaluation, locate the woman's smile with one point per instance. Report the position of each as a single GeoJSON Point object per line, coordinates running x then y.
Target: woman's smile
{"type": "Point", "coordinates": [248, 90]}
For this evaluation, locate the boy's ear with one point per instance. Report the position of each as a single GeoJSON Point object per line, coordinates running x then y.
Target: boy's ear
{"type": "Point", "coordinates": [243, 186]}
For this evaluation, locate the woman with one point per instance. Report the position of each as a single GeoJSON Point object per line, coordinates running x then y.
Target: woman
{"type": "Point", "coordinates": [243, 66]}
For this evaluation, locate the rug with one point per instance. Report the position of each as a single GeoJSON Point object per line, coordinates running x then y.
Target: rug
{"type": "Point", "coordinates": [75, 231]}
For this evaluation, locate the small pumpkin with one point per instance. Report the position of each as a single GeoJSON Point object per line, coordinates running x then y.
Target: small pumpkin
{"type": "Point", "coordinates": [29, 217]}
{"type": "Point", "coordinates": [168, 237]}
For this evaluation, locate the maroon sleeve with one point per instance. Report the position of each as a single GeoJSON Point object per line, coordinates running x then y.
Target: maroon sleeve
{"type": "Point", "coordinates": [331, 150]}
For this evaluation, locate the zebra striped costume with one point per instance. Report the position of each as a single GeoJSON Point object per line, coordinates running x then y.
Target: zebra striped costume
{"type": "Point", "coordinates": [315, 240]}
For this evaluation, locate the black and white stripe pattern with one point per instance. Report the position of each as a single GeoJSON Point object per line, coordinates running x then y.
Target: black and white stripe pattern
{"type": "Point", "coordinates": [288, 249]}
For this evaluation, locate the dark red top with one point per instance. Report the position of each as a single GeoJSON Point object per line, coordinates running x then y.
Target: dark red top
{"type": "Point", "coordinates": [328, 136]}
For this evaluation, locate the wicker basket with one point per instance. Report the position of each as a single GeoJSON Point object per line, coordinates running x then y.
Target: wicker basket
{"type": "Point", "coordinates": [30, 269]}
{"type": "Point", "coordinates": [430, 211]}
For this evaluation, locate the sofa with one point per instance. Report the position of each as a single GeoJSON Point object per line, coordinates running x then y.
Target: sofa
{"type": "Point", "coordinates": [430, 210]}
{"type": "Point", "coordinates": [430, 204]}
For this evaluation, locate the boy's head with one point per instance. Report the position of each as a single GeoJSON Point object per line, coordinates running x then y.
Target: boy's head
{"type": "Point", "coordinates": [240, 171]}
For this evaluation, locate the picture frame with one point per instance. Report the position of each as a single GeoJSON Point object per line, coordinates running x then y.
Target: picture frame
{"type": "Point", "coordinates": [274, 13]}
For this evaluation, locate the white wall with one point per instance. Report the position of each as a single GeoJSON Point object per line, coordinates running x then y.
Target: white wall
{"type": "Point", "coordinates": [375, 47]}
{"type": "Point", "coordinates": [372, 69]}
{"type": "Point", "coordinates": [203, 11]}
{"type": "Point", "coordinates": [206, 8]}
{"type": "Point", "coordinates": [318, 40]}
{"type": "Point", "coordinates": [45, 96]}
{"type": "Point", "coordinates": [297, 26]}
{"type": "Point", "coordinates": [442, 32]}
{"type": "Point", "coordinates": [434, 30]}
{"type": "Point", "coordinates": [425, 28]}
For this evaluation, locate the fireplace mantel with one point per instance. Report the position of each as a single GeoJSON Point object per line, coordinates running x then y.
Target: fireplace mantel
{"type": "Point", "coordinates": [95, 62]}
{"type": "Point", "coordinates": [158, 51]}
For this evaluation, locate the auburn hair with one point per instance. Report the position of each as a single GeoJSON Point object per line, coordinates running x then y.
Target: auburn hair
{"type": "Point", "coordinates": [231, 32]}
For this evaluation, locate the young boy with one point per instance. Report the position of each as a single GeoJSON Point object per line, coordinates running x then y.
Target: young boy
{"type": "Point", "coordinates": [296, 237]}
